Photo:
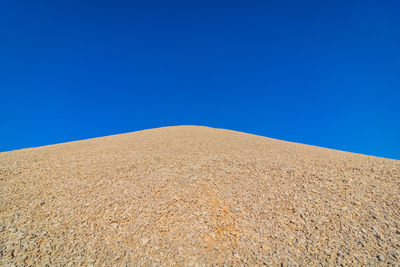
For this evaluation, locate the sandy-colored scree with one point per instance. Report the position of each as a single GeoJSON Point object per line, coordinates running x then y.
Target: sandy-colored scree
{"type": "Point", "coordinates": [192, 195]}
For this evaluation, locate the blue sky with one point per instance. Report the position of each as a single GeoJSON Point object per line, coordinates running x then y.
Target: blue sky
{"type": "Point", "coordinates": [324, 73]}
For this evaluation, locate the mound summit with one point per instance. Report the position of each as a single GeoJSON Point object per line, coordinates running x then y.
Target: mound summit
{"type": "Point", "coordinates": [190, 195]}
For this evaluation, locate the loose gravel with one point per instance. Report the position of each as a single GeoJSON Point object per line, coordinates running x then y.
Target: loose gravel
{"type": "Point", "coordinates": [192, 195]}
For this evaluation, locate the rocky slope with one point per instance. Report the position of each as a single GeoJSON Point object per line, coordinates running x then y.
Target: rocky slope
{"type": "Point", "coordinates": [188, 194]}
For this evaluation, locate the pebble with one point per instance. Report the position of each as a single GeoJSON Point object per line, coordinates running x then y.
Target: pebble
{"type": "Point", "coordinates": [21, 259]}
{"type": "Point", "coordinates": [144, 241]}
{"type": "Point", "coordinates": [381, 258]}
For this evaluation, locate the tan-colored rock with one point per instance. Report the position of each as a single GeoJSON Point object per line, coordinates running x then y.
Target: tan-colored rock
{"type": "Point", "coordinates": [196, 195]}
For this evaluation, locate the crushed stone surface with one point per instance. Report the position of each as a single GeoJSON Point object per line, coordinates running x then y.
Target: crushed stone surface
{"type": "Point", "coordinates": [190, 195]}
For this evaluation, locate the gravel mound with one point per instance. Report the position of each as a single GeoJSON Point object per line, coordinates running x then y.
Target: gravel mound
{"type": "Point", "coordinates": [192, 195]}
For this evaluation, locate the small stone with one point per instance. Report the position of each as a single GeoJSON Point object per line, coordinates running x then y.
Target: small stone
{"type": "Point", "coordinates": [381, 258]}
{"type": "Point", "coordinates": [144, 241]}
{"type": "Point", "coordinates": [212, 235]}
{"type": "Point", "coordinates": [12, 230]}
{"type": "Point", "coordinates": [116, 258]}
{"type": "Point", "coordinates": [21, 259]}
{"type": "Point", "coordinates": [290, 171]}
{"type": "Point", "coordinates": [340, 254]}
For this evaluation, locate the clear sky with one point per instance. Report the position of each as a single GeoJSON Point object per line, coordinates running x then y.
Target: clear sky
{"type": "Point", "coordinates": [324, 73]}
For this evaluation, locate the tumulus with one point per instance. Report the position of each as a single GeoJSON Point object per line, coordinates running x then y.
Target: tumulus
{"type": "Point", "coordinates": [191, 195]}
